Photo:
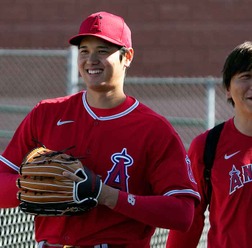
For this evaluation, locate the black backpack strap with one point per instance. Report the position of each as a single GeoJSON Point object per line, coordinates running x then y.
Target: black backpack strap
{"type": "Point", "coordinates": [209, 155]}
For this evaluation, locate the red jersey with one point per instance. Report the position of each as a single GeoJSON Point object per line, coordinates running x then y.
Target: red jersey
{"type": "Point", "coordinates": [130, 146]}
{"type": "Point", "coordinates": [231, 178]}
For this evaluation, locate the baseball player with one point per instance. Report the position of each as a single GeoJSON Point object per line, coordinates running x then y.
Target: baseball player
{"type": "Point", "coordinates": [230, 202]}
{"type": "Point", "coordinates": [146, 174]}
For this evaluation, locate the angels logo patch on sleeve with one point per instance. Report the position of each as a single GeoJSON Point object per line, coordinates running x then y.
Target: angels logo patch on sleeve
{"type": "Point", "coordinates": [118, 176]}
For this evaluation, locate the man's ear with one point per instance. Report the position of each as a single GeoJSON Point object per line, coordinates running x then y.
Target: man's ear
{"type": "Point", "coordinates": [228, 93]}
{"type": "Point", "coordinates": [129, 57]}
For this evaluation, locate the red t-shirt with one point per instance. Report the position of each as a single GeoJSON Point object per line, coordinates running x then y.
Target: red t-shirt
{"type": "Point", "coordinates": [130, 146]}
{"type": "Point", "coordinates": [231, 177]}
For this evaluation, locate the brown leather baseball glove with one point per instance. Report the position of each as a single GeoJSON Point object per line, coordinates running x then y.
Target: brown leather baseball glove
{"type": "Point", "coordinates": [45, 191]}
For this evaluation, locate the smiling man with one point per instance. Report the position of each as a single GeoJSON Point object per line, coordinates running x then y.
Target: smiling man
{"type": "Point", "coordinates": [231, 174]}
{"type": "Point", "coordinates": [146, 175]}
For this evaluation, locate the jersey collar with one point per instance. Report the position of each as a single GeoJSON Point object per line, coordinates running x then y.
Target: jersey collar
{"type": "Point", "coordinates": [110, 117]}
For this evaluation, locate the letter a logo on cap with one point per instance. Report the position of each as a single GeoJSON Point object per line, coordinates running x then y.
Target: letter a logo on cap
{"type": "Point", "coordinates": [96, 26]}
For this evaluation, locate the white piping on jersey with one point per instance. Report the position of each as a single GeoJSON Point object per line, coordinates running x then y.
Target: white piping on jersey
{"type": "Point", "coordinates": [183, 191]}
{"type": "Point", "coordinates": [9, 163]}
{"type": "Point", "coordinates": [111, 117]}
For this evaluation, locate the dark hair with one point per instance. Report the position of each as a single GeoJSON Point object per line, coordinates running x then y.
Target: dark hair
{"type": "Point", "coordinates": [239, 60]}
{"type": "Point", "coordinates": [123, 51]}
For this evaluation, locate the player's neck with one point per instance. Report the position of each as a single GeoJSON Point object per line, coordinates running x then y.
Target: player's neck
{"type": "Point", "coordinates": [243, 124]}
{"type": "Point", "coordinates": [105, 100]}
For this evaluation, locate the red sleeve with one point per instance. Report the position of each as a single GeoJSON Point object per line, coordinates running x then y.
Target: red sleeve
{"type": "Point", "coordinates": [190, 239]}
{"type": "Point", "coordinates": [14, 152]}
{"type": "Point", "coordinates": [160, 211]}
{"type": "Point", "coordinates": [8, 192]}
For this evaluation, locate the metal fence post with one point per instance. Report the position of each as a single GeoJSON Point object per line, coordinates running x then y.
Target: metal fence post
{"type": "Point", "coordinates": [72, 71]}
{"type": "Point", "coordinates": [210, 102]}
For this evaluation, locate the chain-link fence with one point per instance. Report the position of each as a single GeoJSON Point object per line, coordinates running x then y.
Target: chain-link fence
{"type": "Point", "coordinates": [28, 76]}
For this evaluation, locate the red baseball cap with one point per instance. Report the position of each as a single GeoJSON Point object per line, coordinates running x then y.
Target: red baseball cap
{"type": "Point", "coordinates": [106, 26]}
